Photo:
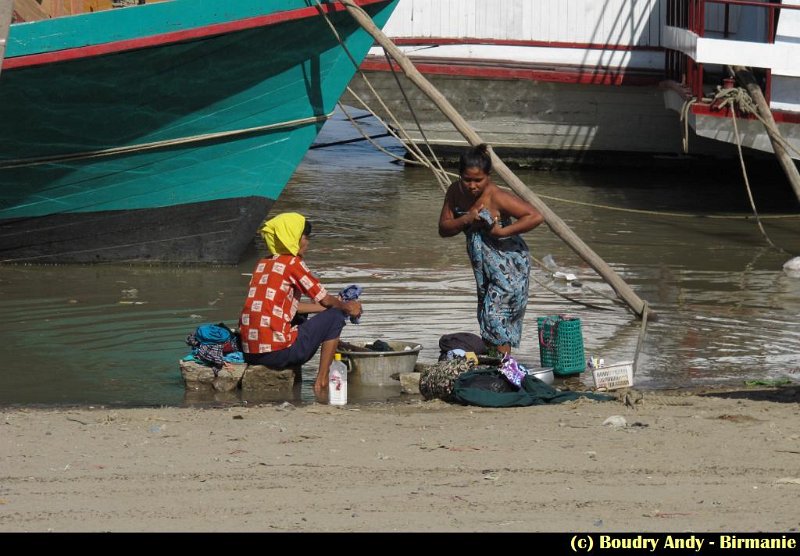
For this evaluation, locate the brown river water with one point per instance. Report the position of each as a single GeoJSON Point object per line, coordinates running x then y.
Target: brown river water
{"type": "Point", "coordinates": [728, 313]}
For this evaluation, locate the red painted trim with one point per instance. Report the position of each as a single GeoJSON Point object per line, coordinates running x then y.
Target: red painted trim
{"type": "Point", "coordinates": [780, 116]}
{"type": "Point", "coordinates": [443, 41]}
{"type": "Point", "coordinates": [497, 71]}
{"type": "Point", "coordinates": [754, 4]}
{"type": "Point", "coordinates": [708, 109]}
{"type": "Point", "coordinates": [174, 37]}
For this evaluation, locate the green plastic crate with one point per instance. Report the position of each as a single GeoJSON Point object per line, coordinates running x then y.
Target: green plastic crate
{"type": "Point", "coordinates": [561, 344]}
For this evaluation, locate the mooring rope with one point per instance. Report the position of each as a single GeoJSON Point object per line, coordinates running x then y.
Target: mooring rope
{"type": "Point", "coordinates": [400, 134]}
{"type": "Point", "coordinates": [153, 145]}
{"type": "Point", "coordinates": [570, 298]}
{"type": "Point", "coordinates": [739, 97]}
{"type": "Point", "coordinates": [440, 170]}
{"type": "Point", "coordinates": [435, 166]}
{"type": "Point", "coordinates": [733, 98]}
{"type": "Point", "coordinates": [370, 138]}
{"type": "Point", "coordinates": [444, 178]}
{"type": "Point", "coordinates": [397, 131]}
{"type": "Point", "coordinates": [664, 213]}
{"type": "Point", "coordinates": [404, 137]}
{"type": "Point", "coordinates": [685, 119]}
{"type": "Point", "coordinates": [420, 159]}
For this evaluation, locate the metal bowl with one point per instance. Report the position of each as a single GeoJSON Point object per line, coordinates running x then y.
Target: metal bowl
{"type": "Point", "coordinates": [376, 368]}
{"type": "Point", "coordinates": [543, 374]}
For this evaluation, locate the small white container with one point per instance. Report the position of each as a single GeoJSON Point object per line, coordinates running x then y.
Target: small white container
{"type": "Point", "coordinates": [615, 376]}
{"type": "Point", "coordinates": [337, 381]}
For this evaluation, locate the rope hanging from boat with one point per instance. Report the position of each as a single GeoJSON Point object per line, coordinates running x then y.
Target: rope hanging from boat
{"type": "Point", "coordinates": [416, 120]}
{"type": "Point", "coordinates": [352, 121]}
{"type": "Point", "coordinates": [734, 98]}
{"type": "Point", "coordinates": [739, 98]}
{"type": "Point", "coordinates": [403, 137]}
{"type": "Point", "coordinates": [685, 119]}
{"type": "Point", "coordinates": [154, 145]}
{"type": "Point", "coordinates": [664, 213]}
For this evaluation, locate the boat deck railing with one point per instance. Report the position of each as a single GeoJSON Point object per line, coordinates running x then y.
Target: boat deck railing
{"type": "Point", "coordinates": [718, 19]}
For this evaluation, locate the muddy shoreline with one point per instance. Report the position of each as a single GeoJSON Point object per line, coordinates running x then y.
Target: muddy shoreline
{"type": "Point", "coordinates": [705, 460]}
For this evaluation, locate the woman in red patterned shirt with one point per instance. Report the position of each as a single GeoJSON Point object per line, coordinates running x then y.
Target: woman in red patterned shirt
{"type": "Point", "coordinates": [270, 335]}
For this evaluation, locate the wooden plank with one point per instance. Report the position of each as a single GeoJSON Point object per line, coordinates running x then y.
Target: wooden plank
{"type": "Point", "coordinates": [6, 11]}
{"type": "Point", "coordinates": [29, 10]}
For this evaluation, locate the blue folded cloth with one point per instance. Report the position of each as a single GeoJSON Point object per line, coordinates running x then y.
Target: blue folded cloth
{"type": "Point", "coordinates": [351, 293]}
{"type": "Point", "coordinates": [486, 216]}
{"type": "Point", "coordinates": [234, 357]}
{"type": "Point", "coordinates": [212, 334]}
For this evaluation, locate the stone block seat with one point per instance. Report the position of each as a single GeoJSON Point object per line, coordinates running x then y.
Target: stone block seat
{"type": "Point", "coordinates": [254, 378]}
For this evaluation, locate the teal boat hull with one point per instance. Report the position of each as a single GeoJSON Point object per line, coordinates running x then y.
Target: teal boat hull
{"type": "Point", "coordinates": [163, 132]}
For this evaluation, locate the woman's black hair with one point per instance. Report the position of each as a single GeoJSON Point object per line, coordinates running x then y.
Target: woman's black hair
{"type": "Point", "coordinates": [307, 229]}
{"type": "Point", "coordinates": [475, 157]}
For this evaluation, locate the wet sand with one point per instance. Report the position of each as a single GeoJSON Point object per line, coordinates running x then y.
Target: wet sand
{"type": "Point", "coordinates": [719, 460]}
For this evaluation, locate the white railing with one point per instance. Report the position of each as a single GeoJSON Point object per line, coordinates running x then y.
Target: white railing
{"type": "Point", "coordinates": [596, 22]}
{"type": "Point", "coordinates": [750, 33]}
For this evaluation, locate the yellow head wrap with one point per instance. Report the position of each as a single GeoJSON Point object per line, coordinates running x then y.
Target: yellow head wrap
{"type": "Point", "coordinates": [283, 233]}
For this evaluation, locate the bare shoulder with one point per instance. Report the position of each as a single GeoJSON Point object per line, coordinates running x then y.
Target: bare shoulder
{"type": "Point", "coordinates": [503, 196]}
{"type": "Point", "coordinates": [510, 202]}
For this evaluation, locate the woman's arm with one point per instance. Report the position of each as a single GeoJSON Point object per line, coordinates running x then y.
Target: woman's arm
{"type": "Point", "coordinates": [525, 215]}
{"type": "Point", "coordinates": [351, 308]}
{"type": "Point", "coordinates": [305, 307]}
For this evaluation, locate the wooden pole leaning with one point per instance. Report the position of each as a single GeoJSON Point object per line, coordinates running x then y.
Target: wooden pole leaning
{"type": "Point", "coordinates": [29, 10]}
{"type": "Point", "coordinates": [6, 11]}
{"type": "Point", "coordinates": [553, 221]}
{"type": "Point", "coordinates": [746, 78]}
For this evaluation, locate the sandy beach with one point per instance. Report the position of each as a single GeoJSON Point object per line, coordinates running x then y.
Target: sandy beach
{"type": "Point", "coordinates": [718, 460]}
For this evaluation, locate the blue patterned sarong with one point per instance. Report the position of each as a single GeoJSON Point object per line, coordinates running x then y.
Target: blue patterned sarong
{"type": "Point", "coordinates": [502, 268]}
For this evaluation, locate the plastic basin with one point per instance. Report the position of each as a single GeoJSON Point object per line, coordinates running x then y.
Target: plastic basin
{"type": "Point", "coordinates": [376, 368]}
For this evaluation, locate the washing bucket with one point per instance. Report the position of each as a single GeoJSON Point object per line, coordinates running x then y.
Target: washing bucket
{"type": "Point", "coordinates": [376, 368]}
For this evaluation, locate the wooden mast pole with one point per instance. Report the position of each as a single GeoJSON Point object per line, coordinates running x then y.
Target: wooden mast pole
{"type": "Point", "coordinates": [746, 77]}
{"type": "Point", "coordinates": [28, 10]}
{"type": "Point", "coordinates": [553, 221]}
{"type": "Point", "coordinates": [6, 11]}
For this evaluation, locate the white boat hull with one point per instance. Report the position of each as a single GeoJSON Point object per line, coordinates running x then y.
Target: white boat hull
{"type": "Point", "coordinates": [553, 82]}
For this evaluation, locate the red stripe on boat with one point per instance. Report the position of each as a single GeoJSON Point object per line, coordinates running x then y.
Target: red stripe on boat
{"type": "Point", "coordinates": [447, 41]}
{"type": "Point", "coordinates": [778, 115]}
{"type": "Point", "coordinates": [174, 37]}
{"type": "Point", "coordinates": [496, 71]}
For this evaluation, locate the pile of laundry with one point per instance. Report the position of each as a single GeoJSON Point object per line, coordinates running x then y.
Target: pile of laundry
{"type": "Point", "coordinates": [214, 345]}
{"type": "Point", "coordinates": [460, 377]}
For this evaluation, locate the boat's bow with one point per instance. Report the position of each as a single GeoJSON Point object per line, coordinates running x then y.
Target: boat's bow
{"type": "Point", "coordinates": [164, 132]}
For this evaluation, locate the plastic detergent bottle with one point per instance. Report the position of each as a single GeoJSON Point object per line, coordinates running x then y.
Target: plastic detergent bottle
{"type": "Point", "coordinates": [337, 381]}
